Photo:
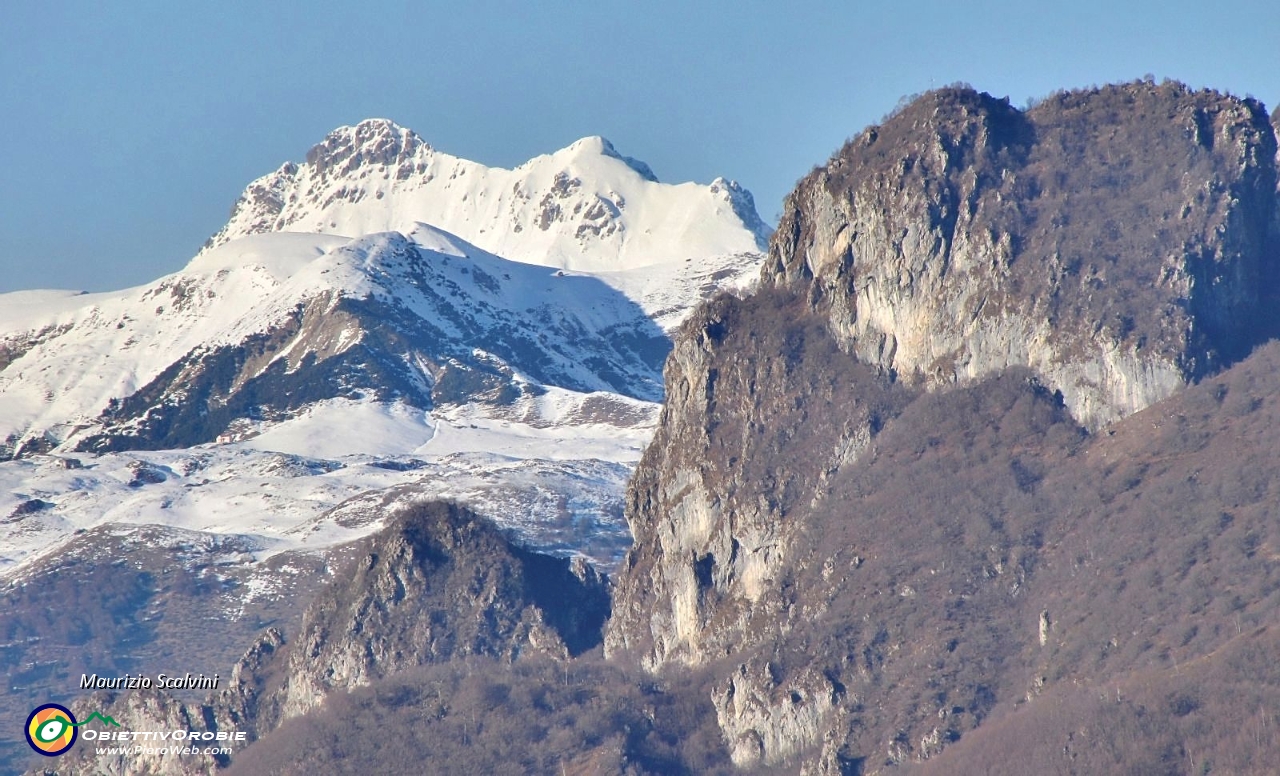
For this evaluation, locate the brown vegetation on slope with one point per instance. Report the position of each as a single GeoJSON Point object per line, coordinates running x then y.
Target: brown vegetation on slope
{"type": "Point", "coordinates": [477, 715]}
{"type": "Point", "coordinates": [1215, 714]}
{"type": "Point", "coordinates": [982, 510]}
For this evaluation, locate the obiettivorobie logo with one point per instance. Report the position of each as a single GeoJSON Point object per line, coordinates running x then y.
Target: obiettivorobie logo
{"type": "Point", "coordinates": [51, 729]}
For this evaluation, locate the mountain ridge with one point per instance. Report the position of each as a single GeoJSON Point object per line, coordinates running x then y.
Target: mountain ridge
{"type": "Point", "coordinates": [585, 207]}
{"type": "Point", "coordinates": [404, 312]}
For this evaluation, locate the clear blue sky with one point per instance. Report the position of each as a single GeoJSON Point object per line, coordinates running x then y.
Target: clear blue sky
{"type": "Point", "coordinates": [130, 128]}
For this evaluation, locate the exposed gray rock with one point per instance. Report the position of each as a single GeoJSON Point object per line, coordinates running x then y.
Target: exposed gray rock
{"type": "Point", "coordinates": [767, 721]}
{"type": "Point", "coordinates": [140, 711]}
{"type": "Point", "coordinates": [29, 507]}
{"type": "Point", "coordinates": [745, 438]}
{"type": "Point", "coordinates": [1112, 240]}
{"type": "Point", "coordinates": [14, 345]}
{"type": "Point", "coordinates": [265, 204]}
{"type": "Point", "coordinates": [438, 583]}
{"type": "Point", "coordinates": [249, 701]}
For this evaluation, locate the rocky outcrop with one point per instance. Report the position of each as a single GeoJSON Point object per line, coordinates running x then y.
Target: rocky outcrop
{"type": "Point", "coordinates": [746, 438]}
{"type": "Point", "coordinates": [439, 583]}
{"type": "Point", "coordinates": [967, 283]}
{"type": "Point", "coordinates": [1113, 240]}
{"type": "Point", "coordinates": [960, 239]}
{"type": "Point", "coordinates": [268, 204]}
{"type": "Point", "coordinates": [766, 720]}
{"type": "Point", "coordinates": [250, 701]}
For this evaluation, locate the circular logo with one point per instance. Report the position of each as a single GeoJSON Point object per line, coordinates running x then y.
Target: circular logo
{"type": "Point", "coordinates": [51, 729]}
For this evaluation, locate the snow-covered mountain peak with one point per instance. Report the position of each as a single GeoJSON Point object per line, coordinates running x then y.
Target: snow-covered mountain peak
{"type": "Point", "coordinates": [741, 202]}
{"type": "Point", "coordinates": [377, 324]}
{"type": "Point", "coordinates": [585, 207]}
{"type": "Point", "coordinates": [592, 147]}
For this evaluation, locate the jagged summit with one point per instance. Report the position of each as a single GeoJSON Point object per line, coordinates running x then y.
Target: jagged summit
{"type": "Point", "coordinates": [585, 207]}
{"type": "Point", "coordinates": [371, 142]}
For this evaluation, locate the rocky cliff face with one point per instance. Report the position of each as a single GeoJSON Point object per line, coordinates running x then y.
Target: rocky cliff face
{"type": "Point", "coordinates": [762, 408]}
{"type": "Point", "coordinates": [960, 239]}
{"type": "Point", "coordinates": [1018, 278]}
{"type": "Point", "coordinates": [141, 710]}
{"type": "Point", "coordinates": [1112, 240]}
